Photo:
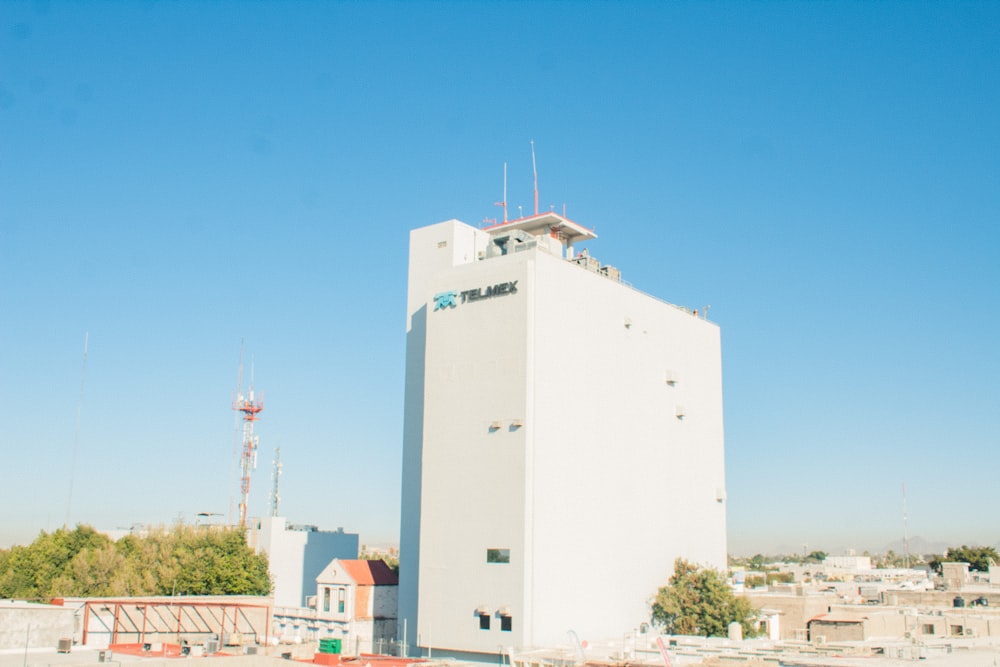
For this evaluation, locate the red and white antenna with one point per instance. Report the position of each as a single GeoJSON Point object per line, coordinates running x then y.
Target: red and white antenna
{"type": "Point", "coordinates": [249, 406]}
{"type": "Point", "coordinates": [534, 169]}
{"type": "Point", "coordinates": [504, 202]}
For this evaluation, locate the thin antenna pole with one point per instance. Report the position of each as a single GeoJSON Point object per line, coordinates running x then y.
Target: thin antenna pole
{"type": "Point", "coordinates": [504, 202]}
{"type": "Point", "coordinates": [505, 192]}
{"type": "Point", "coordinates": [276, 476]}
{"type": "Point", "coordinates": [235, 480]}
{"type": "Point", "coordinates": [76, 434]}
{"type": "Point", "coordinates": [906, 533]}
{"type": "Point", "coordinates": [534, 170]}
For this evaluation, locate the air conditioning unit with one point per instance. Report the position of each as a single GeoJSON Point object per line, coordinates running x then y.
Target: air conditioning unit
{"type": "Point", "coordinates": [496, 426]}
{"type": "Point", "coordinates": [65, 645]}
{"type": "Point", "coordinates": [970, 632]}
{"type": "Point", "coordinates": [680, 411]}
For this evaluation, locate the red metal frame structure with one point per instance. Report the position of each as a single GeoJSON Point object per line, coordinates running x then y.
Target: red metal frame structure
{"type": "Point", "coordinates": [149, 620]}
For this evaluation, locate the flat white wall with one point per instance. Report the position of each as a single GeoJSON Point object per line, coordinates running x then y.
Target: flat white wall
{"type": "Point", "coordinates": [473, 474]}
{"type": "Point", "coordinates": [621, 486]}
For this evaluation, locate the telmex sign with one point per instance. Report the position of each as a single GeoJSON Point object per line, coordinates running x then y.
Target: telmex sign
{"type": "Point", "coordinates": [450, 299]}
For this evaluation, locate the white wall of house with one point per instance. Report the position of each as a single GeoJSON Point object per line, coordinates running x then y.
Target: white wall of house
{"type": "Point", "coordinates": [361, 614]}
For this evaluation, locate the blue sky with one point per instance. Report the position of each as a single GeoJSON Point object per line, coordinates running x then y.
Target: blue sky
{"type": "Point", "coordinates": [176, 177]}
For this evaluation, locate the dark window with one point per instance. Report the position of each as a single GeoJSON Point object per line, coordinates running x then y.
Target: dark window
{"type": "Point", "coordinates": [505, 624]}
{"type": "Point", "coordinates": [498, 555]}
{"type": "Point", "coordinates": [484, 621]}
{"type": "Point", "coordinates": [326, 599]}
{"type": "Point", "coordinates": [928, 629]}
{"type": "Point", "coordinates": [340, 601]}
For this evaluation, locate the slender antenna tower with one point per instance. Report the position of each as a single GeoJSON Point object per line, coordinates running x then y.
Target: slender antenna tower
{"type": "Point", "coordinates": [906, 534]}
{"type": "Point", "coordinates": [504, 202]}
{"type": "Point", "coordinates": [275, 475]}
{"type": "Point", "coordinates": [534, 170]}
{"type": "Point", "coordinates": [236, 441]}
{"type": "Point", "coordinates": [76, 433]}
{"type": "Point", "coordinates": [249, 406]}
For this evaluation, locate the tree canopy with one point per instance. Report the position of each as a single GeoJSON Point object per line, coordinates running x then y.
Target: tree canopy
{"type": "Point", "coordinates": [978, 558]}
{"type": "Point", "coordinates": [698, 601]}
{"type": "Point", "coordinates": [181, 561]}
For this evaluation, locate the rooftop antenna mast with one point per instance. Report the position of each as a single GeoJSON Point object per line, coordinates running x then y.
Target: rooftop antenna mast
{"type": "Point", "coordinates": [249, 406]}
{"type": "Point", "coordinates": [534, 170]}
{"type": "Point", "coordinates": [275, 475]}
{"type": "Point", "coordinates": [504, 202]}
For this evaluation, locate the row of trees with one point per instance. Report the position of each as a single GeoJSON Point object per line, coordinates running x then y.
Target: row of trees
{"type": "Point", "coordinates": [978, 558]}
{"type": "Point", "coordinates": [183, 560]}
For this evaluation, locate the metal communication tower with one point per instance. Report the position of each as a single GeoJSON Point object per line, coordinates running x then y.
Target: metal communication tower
{"type": "Point", "coordinates": [250, 407]}
{"type": "Point", "coordinates": [275, 478]}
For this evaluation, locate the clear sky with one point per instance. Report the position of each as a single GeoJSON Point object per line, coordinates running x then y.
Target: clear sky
{"type": "Point", "coordinates": [176, 177]}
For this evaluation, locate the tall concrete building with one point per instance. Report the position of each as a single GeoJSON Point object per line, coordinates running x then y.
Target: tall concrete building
{"type": "Point", "coordinates": [563, 441]}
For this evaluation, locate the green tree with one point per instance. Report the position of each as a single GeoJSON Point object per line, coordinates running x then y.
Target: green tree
{"type": "Point", "coordinates": [698, 601]}
{"type": "Point", "coordinates": [978, 558]}
{"type": "Point", "coordinates": [181, 561]}
{"type": "Point", "coordinates": [41, 569]}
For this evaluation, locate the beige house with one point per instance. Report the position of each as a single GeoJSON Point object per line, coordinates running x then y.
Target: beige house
{"type": "Point", "coordinates": [357, 599]}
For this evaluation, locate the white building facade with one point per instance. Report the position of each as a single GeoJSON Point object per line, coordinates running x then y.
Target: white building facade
{"type": "Point", "coordinates": [296, 555]}
{"type": "Point", "coordinates": [563, 441]}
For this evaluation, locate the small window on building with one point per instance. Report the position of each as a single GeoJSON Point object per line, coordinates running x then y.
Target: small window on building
{"type": "Point", "coordinates": [927, 629]}
{"type": "Point", "coordinates": [505, 623]}
{"type": "Point", "coordinates": [442, 244]}
{"type": "Point", "coordinates": [498, 555]}
{"type": "Point", "coordinates": [956, 631]}
{"type": "Point", "coordinates": [341, 593]}
{"type": "Point", "coordinates": [326, 599]}
{"type": "Point", "coordinates": [484, 621]}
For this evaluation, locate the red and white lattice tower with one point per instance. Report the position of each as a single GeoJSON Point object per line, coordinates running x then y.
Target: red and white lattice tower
{"type": "Point", "coordinates": [250, 408]}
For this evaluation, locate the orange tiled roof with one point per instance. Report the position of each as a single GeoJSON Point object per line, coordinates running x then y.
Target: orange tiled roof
{"type": "Point", "coordinates": [370, 572]}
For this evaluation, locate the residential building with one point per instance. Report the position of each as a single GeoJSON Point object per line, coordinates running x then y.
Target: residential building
{"type": "Point", "coordinates": [358, 599]}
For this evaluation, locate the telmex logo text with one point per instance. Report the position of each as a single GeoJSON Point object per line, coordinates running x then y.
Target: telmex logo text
{"type": "Point", "coordinates": [450, 299]}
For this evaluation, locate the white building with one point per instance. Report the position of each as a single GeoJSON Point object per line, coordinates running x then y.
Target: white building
{"type": "Point", "coordinates": [563, 441]}
{"type": "Point", "coordinates": [358, 600]}
{"type": "Point", "coordinates": [297, 554]}
{"type": "Point", "coordinates": [858, 563]}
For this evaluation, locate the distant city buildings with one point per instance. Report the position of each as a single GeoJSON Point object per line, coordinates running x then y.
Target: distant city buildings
{"type": "Point", "coordinates": [563, 441]}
